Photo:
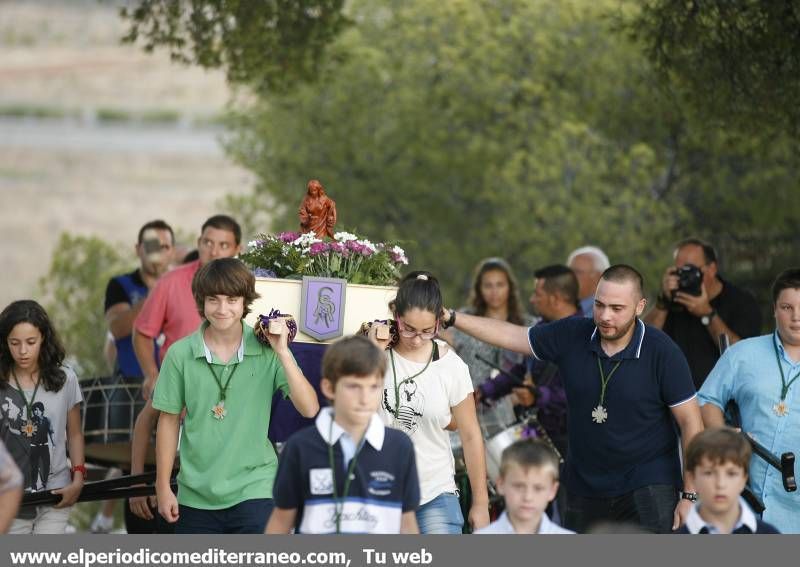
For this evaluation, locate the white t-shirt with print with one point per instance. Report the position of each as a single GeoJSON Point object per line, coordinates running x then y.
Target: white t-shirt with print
{"type": "Point", "coordinates": [424, 411]}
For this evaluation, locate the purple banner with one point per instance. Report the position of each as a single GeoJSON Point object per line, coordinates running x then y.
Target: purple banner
{"type": "Point", "coordinates": [322, 307]}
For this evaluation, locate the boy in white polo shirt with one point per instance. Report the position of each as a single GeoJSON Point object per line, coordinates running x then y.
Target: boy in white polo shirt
{"type": "Point", "coordinates": [529, 482]}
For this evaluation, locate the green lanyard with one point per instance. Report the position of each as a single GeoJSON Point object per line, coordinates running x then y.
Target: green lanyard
{"type": "Point", "coordinates": [784, 384]}
{"type": "Point", "coordinates": [222, 389]}
{"type": "Point", "coordinates": [603, 380]}
{"type": "Point", "coordinates": [28, 405]}
{"type": "Point", "coordinates": [338, 503]}
{"type": "Point", "coordinates": [409, 379]}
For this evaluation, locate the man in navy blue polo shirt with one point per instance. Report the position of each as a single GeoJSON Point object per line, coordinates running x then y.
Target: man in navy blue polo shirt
{"type": "Point", "coordinates": [627, 386]}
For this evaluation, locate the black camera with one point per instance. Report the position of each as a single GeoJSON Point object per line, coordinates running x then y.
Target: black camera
{"type": "Point", "coordinates": [690, 280]}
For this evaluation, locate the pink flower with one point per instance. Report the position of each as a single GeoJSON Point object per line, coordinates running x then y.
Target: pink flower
{"type": "Point", "coordinates": [398, 255]}
{"type": "Point", "coordinates": [288, 236]}
{"type": "Point", "coordinates": [317, 248]}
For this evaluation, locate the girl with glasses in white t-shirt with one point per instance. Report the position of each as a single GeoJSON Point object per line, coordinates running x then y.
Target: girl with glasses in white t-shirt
{"type": "Point", "coordinates": [428, 391]}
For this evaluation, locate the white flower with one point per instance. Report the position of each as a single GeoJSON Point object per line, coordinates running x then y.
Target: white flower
{"type": "Point", "coordinates": [304, 241]}
{"type": "Point", "coordinates": [253, 243]}
{"type": "Point", "coordinates": [345, 236]}
{"type": "Point", "coordinates": [399, 255]}
{"type": "Point", "coordinates": [367, 244]}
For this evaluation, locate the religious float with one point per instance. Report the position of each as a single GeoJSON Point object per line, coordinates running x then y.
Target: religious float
{"type": "Point", "coordinates": [326, 284]}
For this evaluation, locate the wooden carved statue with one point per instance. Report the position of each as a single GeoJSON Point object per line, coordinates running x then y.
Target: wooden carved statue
{"type": "Point", "coordinates": [318, 211]}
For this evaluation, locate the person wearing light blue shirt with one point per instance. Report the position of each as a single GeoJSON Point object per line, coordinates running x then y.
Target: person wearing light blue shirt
{"type": "Point", "coordinates": [502, 525]}
{"type": "Point", "coordinates": [761, 375]}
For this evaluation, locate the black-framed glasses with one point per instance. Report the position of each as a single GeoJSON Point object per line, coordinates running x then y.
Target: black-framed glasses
{"type": "Point", "coordinates": [410, 334]}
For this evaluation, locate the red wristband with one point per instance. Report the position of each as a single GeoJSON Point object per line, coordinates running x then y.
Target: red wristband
{"type": "Point", "coordinates": [79, 468]}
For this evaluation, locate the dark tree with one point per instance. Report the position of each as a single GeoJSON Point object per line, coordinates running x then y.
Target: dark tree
{"type": "Point", "coordinates": [736, 62]}
{"type": "Point", "coordinates": [267, 44]}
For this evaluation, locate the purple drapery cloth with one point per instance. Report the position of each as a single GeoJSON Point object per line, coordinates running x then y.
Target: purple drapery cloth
{"type": "Point", "coordinates": [285, 419]}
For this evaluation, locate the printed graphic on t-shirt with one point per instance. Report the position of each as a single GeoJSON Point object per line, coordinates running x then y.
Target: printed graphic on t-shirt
{"type": "Point", "coordinates": [29, 438]}
{"type": "Point", "coordinates": [408, 412]}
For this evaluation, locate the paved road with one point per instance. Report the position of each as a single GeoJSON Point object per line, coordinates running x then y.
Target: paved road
{"type": "Point", "coordinates": [92, 136]}
{"type": "Point", "coordinates": [104, 180]}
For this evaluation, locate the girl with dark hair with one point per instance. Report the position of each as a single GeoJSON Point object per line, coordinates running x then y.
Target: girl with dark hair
{"type": "Point", "coordinates": [494, 294]}
{"type": "Point", "coordinates": [427, 390]}
{"type": "Point", "coordinates": [40, 414]}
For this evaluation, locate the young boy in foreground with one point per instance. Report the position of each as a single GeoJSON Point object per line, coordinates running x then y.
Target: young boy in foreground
{"type": "Point", "coordinates": [529, 482]}
{"type": "Point", "coordinates": [718, 459]}
{"type": "Point", "coordinates": [225, 379]}
{"type": "Point", "coordinates": [348, 473]}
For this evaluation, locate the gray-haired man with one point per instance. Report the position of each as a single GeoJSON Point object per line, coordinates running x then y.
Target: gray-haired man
{"type": "Point", "coordinates": [588, 263]}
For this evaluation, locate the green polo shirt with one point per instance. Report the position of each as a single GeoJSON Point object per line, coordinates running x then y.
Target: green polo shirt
{"type": "Point", "coordinates": [230, 460]}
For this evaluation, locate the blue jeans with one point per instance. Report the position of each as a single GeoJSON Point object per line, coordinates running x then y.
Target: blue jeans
{"type": "Point", "coordinates": [248, 517]}
{"type": "Point", "coordinates": [442, 515]}
{"type": "Point", "coordinates": [650, 508]}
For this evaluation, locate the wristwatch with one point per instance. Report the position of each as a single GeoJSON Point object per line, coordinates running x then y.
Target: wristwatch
{"type": "Point", "coordinates": [706, 319]}
{"type": "Point", "coordinates": [690, 496]}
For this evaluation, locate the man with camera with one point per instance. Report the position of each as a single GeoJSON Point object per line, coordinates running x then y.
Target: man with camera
{"type": "Point", "coordinates": [696, 306]}
{"type": "Point", "coordinates": [125, 295]}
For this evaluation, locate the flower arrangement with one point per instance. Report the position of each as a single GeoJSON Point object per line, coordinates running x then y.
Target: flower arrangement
{"type": "Point", "coordinates": [293, 255]}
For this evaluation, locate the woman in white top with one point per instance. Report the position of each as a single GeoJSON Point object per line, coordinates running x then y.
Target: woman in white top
{"type": "Point", "coordinates": [428, 390]}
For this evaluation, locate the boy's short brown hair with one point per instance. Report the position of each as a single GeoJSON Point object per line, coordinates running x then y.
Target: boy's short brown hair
{"type": "Point", "coordinates": [352, 356]}
{"type": "Point", "coordinates": [529, 453]}
{"type": "Point", "coordinates": [224, 276]}
{"type": "Point", "coordinates": [719, 445]}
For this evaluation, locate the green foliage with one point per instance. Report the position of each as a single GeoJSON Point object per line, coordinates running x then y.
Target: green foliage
{"type": "Point", "coordinates": [265, 44]}
{"type": "Point", "coordinates": [741, 193]}
{"type": "Point", "coordinates": [74, 289]}
{"type": "Point", "coordinates": [470, 129]}
{"type": "Point", "coordinates": [523, 129]}
{"type": "Point", "coordinates": [252, 212]}
{"type": "Point", "coordinates": [736, 62]}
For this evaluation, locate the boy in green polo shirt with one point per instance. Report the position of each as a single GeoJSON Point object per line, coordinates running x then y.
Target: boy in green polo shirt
{"type": "Point", "coordinates": [225, 379]}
